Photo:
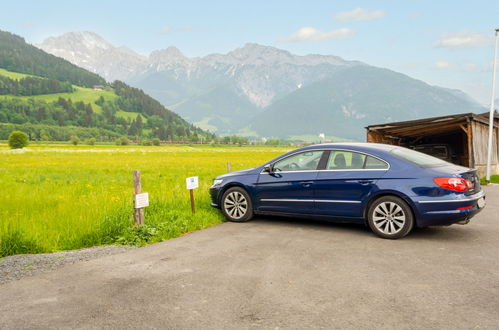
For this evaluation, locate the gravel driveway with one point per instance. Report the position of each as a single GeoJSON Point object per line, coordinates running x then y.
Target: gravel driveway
{"type": "Point", "coordinates": [21, 265]}
{"type": "Point", "coordinates": [276, 273]}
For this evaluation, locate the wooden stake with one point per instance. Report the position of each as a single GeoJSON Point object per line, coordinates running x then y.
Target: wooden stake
{"type": "Point", "coordinates": [193, 205]}
{"type": "Point", "coordinates": [138, 214]}
{"type": "Point", "coordinates": [229, 167]}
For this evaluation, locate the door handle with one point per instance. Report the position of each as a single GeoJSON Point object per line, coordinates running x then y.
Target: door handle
{"type": "Point", "coordinates": [365, 182]}
{"type": "Point", "coordinates": [306, 184]}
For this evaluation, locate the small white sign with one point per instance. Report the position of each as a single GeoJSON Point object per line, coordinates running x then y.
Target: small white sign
{"type": "Point", "coordinates": [141, 200]}
{"type": "Point", "coordinates": [192, 182]}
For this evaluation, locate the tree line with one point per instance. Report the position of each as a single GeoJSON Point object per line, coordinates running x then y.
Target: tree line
{"type": "Point", "coordinates": [32, 86]}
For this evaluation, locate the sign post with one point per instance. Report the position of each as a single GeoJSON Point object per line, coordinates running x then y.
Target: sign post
{"type": "Point", "coordinates": [140, 199]}
{"type": "Point", "coordinates": [192, 183]}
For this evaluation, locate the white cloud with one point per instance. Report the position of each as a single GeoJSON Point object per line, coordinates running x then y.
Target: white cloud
{"type": "Point", "coordinates": [442, 65]}
{"type": "Point", "coordinates": [462, 39]}
{"type": "Point", "coordinates": [359, 14]}
{"type": "Point", "coordinates": [312, 34]}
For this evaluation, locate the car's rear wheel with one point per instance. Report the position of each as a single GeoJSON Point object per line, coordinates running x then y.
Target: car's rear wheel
{"type": "Point", "coordinates": [236, 205]}
{"type": "Point", "coordinates": [390, 217]}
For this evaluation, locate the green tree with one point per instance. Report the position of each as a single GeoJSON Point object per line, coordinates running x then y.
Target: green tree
{"type": "Point", "coordinates": [74, 140]}
{"type": "Point", "coordinates": [91, 141]}
{"type": "Point", "coordinates": [155, 142]}
{"type": "Point", "coordinates": [18, 140]}
{"type": "Point", "coordinates": [139, 124]}
{"type": "Point", "coordinates": [44, 136]}
{"type": "Point", "coordinates": [123, 141]}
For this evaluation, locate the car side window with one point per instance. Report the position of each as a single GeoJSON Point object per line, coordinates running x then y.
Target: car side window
{"type": "Point", "coordinates": [350, 160]}
{"type": "Point", "coordinates": [345, 160]}
{"type": "Point", "coordinates": [304, 161]}
{"type": "Point", "coordinates": [375, 164]}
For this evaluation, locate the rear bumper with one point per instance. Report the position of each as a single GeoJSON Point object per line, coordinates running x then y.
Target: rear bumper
{"type": "Point", "coordinates": [439, 212]}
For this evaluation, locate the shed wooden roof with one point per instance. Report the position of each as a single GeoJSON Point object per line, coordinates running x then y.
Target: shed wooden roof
{"type": "Point", "coordinates": [430, 125]}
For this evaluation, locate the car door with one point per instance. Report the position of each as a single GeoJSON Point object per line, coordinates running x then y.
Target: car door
{"type": "Point", "coordinates": [289, 187]}
{"type": "Point", "coordinates": [349, 177]}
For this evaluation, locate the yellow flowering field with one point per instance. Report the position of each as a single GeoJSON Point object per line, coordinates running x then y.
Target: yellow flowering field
{"type": "Point", "coordinates": [59, 197]}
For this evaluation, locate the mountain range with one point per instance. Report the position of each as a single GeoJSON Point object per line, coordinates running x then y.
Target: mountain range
{"type": "Point", "coordinates": [260, 90]}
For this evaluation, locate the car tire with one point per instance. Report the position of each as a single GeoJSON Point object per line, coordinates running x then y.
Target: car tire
{"type": "Point", "coordinates": [236, 205]}
{"type": "Point", "coordinates": [390, 217]}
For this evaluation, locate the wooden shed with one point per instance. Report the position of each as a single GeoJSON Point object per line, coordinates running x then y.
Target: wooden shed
{"type": "Point", "coordinates": [465, 135]}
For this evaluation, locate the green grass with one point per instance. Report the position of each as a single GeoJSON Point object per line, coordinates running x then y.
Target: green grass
{"type": "Point", "coordinates": [59, 197]}
{"type": "Point", "coordinates": [13, 75]}
{"type": "Point", "coordinates": [493, 179]}
{"type": "Point", "coordinates": [129, 115]}
{"type": "Point", "coordinates": [86, 95]}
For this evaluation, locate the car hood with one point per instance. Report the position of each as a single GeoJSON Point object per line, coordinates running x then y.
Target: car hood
{"type": "Point", "coordinates": [246, 171]}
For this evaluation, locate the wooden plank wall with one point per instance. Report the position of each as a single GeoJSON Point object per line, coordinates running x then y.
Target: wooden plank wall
{"type": "Point", "coordinates": [480, 141]}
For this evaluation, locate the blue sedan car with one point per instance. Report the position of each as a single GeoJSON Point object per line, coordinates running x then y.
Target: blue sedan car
{"type": "Point", "coordinates": [390, 188]}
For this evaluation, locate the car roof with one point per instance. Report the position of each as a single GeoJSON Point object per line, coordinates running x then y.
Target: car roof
{"type": "Point", "coordinates": [355, 146]}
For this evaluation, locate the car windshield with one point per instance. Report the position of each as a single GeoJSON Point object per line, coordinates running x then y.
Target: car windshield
{"type": "Point", "coordinates": [418, 158]}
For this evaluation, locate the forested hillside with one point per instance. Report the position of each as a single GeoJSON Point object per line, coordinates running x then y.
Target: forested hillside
{"type": "Point", "coordinates": [32, 86]}
{"type": "Point", "coordinates": [48, 98]}
{"type": "Point", "coordinates": [18, 56]}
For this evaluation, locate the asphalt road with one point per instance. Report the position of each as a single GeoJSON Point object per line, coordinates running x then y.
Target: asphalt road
{"type": "Point", "coordinates": [277, 274]}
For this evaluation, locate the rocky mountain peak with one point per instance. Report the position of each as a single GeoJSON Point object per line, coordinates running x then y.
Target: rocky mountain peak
{"type": "Point", "coordinates": [169, 54]}
{"type": "Point", "coordinates": [86, 39]}
{"type": "Point", "coordinates": [168, 58]}
{"type": "Point", "coordinates": [253, 50]}
{"type": "Point", "coordinates": [92, 52]}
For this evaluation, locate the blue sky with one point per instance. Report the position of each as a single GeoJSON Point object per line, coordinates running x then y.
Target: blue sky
{"type": "Point", "coordinates": [445, 43]}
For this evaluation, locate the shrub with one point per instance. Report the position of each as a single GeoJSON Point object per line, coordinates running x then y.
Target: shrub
{"type": "Point", "coordinates": [122, 141]}
{"type": "Point", "coordinates": [155, 142]}
{"type": "Point", "coordinates": [91, 141]}
{"type": "Point", "coordinates": [18, 140]}
{"type": "Point", "coordinates": [138, 235]}
{"type": "Point", "coordinates": [146, 143]}
{"type": "Point", "coordinates": [74, 140]}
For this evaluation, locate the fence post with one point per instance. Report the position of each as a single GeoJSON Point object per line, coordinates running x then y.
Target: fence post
{"type": "Point", "coordinates": [193, 205]}
{"type": "Point", "coordinates": [229, 167]}
{"type": "Point", "coordinates": [138, 214]}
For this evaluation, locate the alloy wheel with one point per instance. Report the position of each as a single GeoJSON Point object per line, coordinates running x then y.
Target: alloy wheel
{"type": "Point", "coordinates": [389, 218]}
{"type": "Point", "coordinates": [236, 205]}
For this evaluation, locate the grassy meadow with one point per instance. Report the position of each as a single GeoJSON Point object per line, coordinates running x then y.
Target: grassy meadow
{"type": "Point", "coordinates": [60, 197]}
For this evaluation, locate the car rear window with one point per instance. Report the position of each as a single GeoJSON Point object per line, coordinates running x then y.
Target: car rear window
{"type": "Point", "coordinates": [418, 158]}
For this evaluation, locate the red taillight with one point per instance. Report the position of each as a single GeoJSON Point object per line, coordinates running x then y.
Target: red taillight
{"type": "Point", "coordinates": [454, 184]}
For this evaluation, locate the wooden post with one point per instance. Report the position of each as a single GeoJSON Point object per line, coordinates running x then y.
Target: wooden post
{"type": "Point", "coordinates": [193, 206]}
{"type": "Point", "coordinates": [138, 214]}
{"type": "Point", "coordinates": [229, 167]}
{"type": "Point", "coordinates": [471, 150]}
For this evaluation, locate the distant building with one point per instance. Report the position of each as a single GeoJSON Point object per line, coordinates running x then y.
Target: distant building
{"type": "Point", "coordinates": [461, 139]}
{"type": "Point", "coordinates": [98, 87]}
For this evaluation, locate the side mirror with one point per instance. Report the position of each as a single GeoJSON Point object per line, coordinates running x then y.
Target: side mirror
{"type": "Point", "coordinates": [268, 168]}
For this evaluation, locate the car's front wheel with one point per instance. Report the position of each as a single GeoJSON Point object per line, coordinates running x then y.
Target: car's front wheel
{"type": "Point", "coordinates": [236, 205]}
{"type": "Point", "coordinates": [390, 217]}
